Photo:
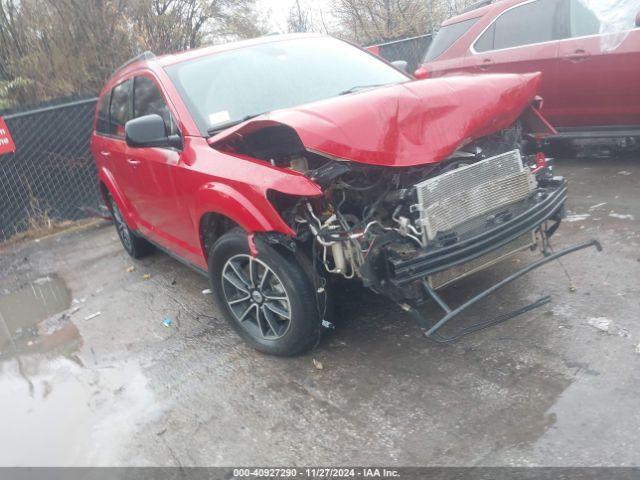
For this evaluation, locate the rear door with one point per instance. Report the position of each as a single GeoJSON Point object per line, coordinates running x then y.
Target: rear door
{"type": "Point", "coordinates": [114, 112]}
{"type": "Point", "coordinates": [599, 71]}
{"type": "Point", "coordinates": [523, 39]}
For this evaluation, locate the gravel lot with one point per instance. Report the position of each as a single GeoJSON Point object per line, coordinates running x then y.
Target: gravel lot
{"type": "Point", "coordinates": [557, 387]}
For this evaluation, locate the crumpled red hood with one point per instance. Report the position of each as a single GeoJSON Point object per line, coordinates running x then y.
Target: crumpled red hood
{"type": "Point", "coordinates": [408, 124]}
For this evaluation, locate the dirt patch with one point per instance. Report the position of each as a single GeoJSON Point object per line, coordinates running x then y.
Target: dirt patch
{"type": "Point", "coordinates": [38, 231]}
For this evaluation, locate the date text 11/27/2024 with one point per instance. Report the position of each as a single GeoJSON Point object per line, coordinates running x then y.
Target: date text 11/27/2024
{"type": "Point", "coordinates": [333, 472]}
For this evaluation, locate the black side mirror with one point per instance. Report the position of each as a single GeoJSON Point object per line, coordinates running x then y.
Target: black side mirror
{"type": "Point", "coordinates": [400, 65]}
{"type": "Point", "coordinates": [150, 131]}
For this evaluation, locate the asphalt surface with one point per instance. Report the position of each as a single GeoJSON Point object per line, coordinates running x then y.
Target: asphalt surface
{"type": "Point", "coordinates": [93, 376]}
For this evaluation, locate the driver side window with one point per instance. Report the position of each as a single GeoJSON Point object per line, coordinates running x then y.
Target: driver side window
{"type": "Point", "coordinates": [148, 100]}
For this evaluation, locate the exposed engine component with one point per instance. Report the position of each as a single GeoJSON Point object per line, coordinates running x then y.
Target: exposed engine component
{"type": "Point", "coordinates": [383, 224]}
{"type": "Point", "coordinates": [407, 229]}
{"type": "Point", "coordinates": [370, 214]}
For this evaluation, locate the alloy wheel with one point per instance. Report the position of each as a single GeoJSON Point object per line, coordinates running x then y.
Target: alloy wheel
{"type": "Point", "coordinates": [256, 297]}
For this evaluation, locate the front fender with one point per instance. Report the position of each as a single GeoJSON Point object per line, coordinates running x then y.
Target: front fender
{"type": "Point", "coordinates": [249, 209]}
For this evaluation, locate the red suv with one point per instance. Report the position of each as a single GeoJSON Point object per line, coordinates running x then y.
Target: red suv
{"type": "Point", "coordinates": [276, 165]}
{"type": "Point", "coordinates": [588, 53]}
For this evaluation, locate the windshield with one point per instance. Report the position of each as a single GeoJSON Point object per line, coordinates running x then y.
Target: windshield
{"type": "Point", "coordinates": [446, 37]}
{"type": "Point", "coordinates": [228, 87]}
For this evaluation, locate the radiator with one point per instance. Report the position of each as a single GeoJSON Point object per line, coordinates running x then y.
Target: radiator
{"type": "Point", "coordinates": [472, 191]}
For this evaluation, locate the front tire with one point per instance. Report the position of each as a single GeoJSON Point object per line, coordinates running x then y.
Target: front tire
{"type": "Point", "coordinates": [269, 299]}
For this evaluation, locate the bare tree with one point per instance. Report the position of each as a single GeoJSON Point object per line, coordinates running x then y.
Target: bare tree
{"type": "Point", "coordinates": [172, 25]}
{"type": "Point", "coordinates": [52, 48]}
{"type": "Point", "coordinates": [299, 19]}
{"type": "Point", "coordinates": [60, 47]}
{"type": "Point", "coordinates": [371, 21]}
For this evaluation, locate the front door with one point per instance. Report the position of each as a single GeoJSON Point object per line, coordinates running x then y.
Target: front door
{"type": "Point", "coordinates": [163, 216]}
{"type": "Point", "coordinates": [599, 68]}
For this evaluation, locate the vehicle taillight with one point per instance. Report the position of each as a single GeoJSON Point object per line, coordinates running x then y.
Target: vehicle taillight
{"type": "Point", "coordinates": [421, 73]}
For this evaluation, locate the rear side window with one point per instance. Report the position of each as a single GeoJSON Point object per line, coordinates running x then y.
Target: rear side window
{"type": "Point", "coordinates": [148, 100]}
{"type": "Point", "coordinates": [102, 125]}
{"type": "Point", "coordinates": [535, 22]}
{"type": "Point", "coordinates": [120, 111]}
{"type": "Point", "coordinates": [446, 37]}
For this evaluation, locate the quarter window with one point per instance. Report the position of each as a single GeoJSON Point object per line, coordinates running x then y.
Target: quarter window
{"type": "Point", "coordinates": [120, 111]}
{"type": "Point", "coordinates": [486, 40]}
{"type": "Point", "coordinates": [148, 100]}
{"type": "Point", "coordinates": [446, 37]}
{"type": "Point", "coordinates": [535, 22]}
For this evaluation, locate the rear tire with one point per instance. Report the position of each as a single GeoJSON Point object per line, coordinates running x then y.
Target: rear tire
{"type": "Point", "coordinates": [269, 299]}
{"type": "Point", "coordinates": [135, 246]}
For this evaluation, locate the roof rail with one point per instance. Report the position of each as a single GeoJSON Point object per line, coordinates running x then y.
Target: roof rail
{"type": "Point", "coordinates": [476, 5]}
{"type": "Point", "coordinates": [148, 55]}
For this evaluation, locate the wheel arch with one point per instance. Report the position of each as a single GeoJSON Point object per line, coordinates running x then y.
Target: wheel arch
{"type": "Point", "coordinates": [222, 208]}
{"type": "Point", "coordinates": [107, 186]}
{"type": "Point", "coordinates": [211, 227]}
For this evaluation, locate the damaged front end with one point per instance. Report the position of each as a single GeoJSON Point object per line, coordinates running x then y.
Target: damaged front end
{"type": "Point", "coordinates": [406, 240]}
{"type": "Point", "coordinates": [407, 231]}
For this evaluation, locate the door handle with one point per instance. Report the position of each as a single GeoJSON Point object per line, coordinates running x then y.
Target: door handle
{"type": "Point", "coordinates": [105, 153]}
{"type": "Point", "coordinates": [133, 161]}
{"type": "Point", "coordinates": [577, 56]}
{"type": "Point", "coordinates": [486, 63]}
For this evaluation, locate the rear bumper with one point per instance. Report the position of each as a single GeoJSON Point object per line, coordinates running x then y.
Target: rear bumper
{"type": "Point", "coordinates": [544, 204]}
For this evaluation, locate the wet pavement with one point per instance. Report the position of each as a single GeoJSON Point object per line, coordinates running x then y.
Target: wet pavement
{"type": "Point", "coordinates": [90, 374]}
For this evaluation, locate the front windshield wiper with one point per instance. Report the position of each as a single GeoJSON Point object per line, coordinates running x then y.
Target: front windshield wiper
{"type": "Point", "coordinates": [223, 126]}
{"type": "Point", "coordinates": [361, 87]}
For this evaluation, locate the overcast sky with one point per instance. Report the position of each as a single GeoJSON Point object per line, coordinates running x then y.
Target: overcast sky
{"type": "Point", "coordinates": [279, 10]}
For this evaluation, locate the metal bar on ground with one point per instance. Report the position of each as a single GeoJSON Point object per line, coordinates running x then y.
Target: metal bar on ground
{"type": "Point", "coordinates": [432, 331]}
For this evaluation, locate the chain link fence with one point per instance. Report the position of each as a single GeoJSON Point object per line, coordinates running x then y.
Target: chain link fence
{"type": "Point", "coordinates": [51, 177]}
{"type": "Point", "coordinates": [411, 50]}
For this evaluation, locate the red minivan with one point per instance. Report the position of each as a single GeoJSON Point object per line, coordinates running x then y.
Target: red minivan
{"type": "Point", "coordinates": [587, 50]}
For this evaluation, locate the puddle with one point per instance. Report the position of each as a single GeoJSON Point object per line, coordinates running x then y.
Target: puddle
{"type": "Point", "coordinates": [67, 415]}
{"type": "Point", "coordinates": [56, 411]}
{"type": "Point", "coordinates": [27, 322]}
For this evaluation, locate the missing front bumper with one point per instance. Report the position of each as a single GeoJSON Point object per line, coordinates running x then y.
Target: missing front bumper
{"type": "Point", "coordinates": [476, 248]}
{"type": "Point", "coordinates": [433, 330]}
{"type": "Point", "coordinates": [524, 218]}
